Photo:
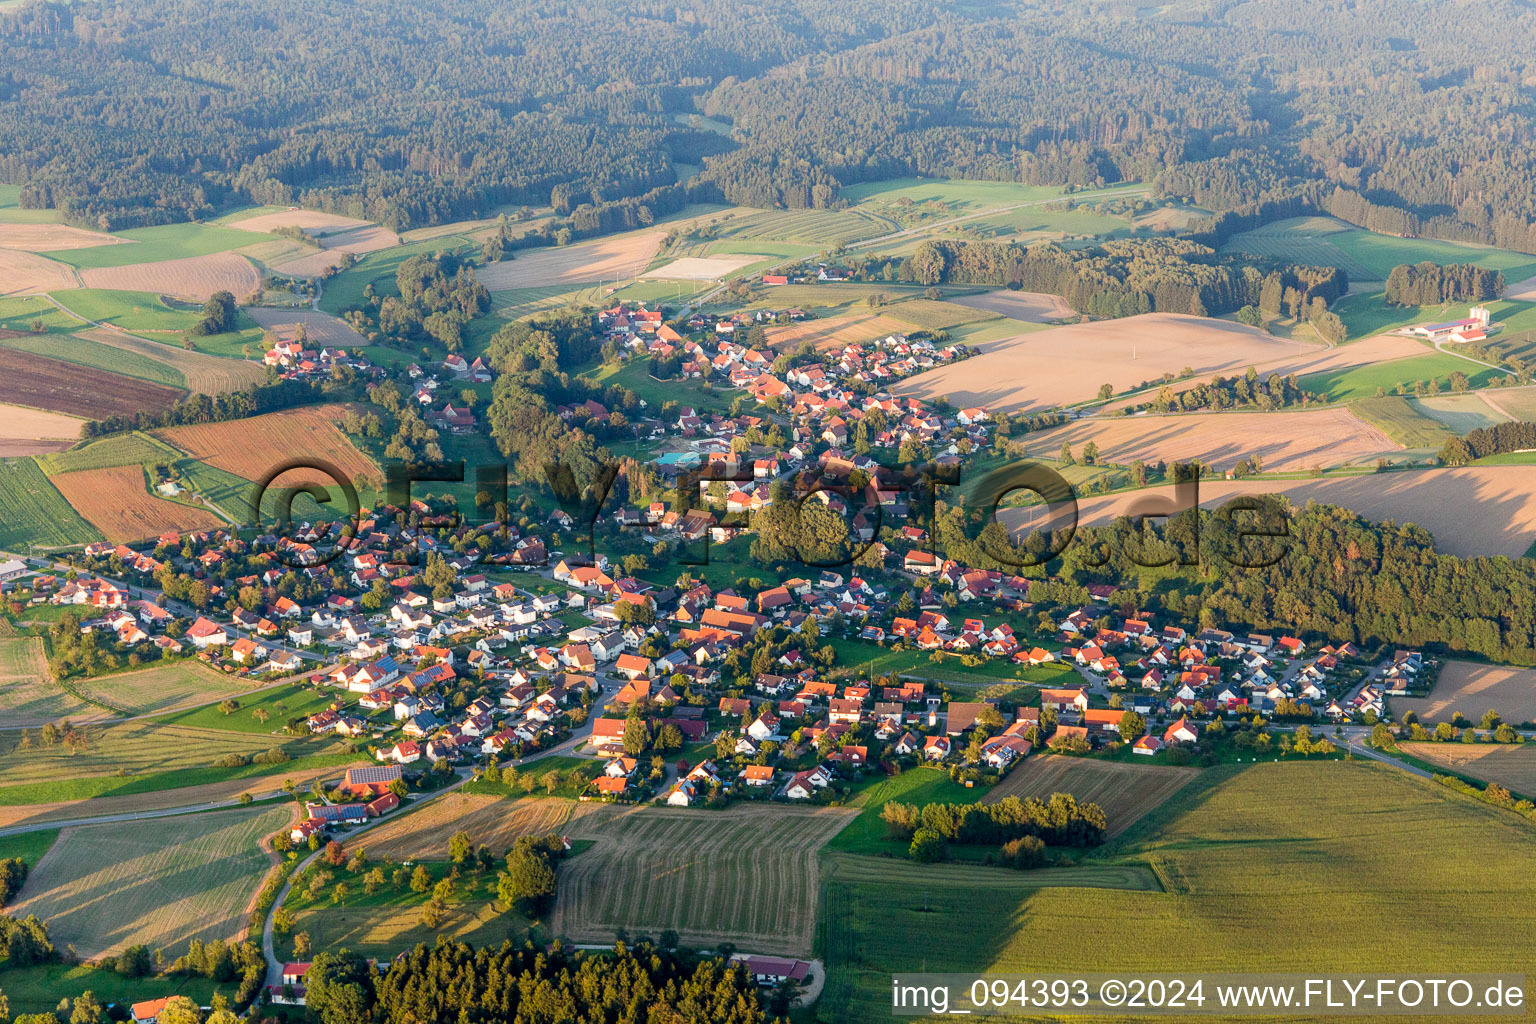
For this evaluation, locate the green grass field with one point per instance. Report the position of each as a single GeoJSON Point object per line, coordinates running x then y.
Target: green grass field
{"type": "Point", "coordinates": [1365, 255]}
{"type": "Point", "coordinates": [132, 311]}
{"type": "Point", "coordinates": [1459, 413]}
{"type": "Point", "coordinates": [131, 449]}
{"type": "Point", "coordinates": [29, 846]}
{"type": "Point", "coordinates": [1363, 381]}
{"type": "Point", "coordinates": [1250, 879]}
{"type": "Point", "coordinates": [22, 313]}
{"type": "Point", "coordinates": [866, 660]}
{"type": "Point", "coordinates": [280, 705]}
{"type": "Point", "coordinates": [35, 512]}
{"type": "Point", "coordinates": [1400, 420]}
{"type": "Point", "coordinates": [39, 989]}
{"type": "Point", "coordinates": [59, 345]}
{"type": "Point", "coordinates": [156, 244]}
{"type": "Point", "coordinates": [866, 834]}
{"type": "Point", "coordinates": [636, 376]}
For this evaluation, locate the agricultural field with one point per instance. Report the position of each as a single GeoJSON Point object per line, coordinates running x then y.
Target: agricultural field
{"type": "Point", "coordinates": [1126, 791]}
{"type": "Point", "coordinates": [1366, 381]}
{"type": "Point", "coordinates": [867, 833]}
{"type": "Point", "coordinates": [1472, 689]}
{"type": "Point", "coordinates": [45, 383]}
{"type": "Point", "coordinates": [1365, 255]}
{"type": "Point", "coordinates": [321, 329]}
{"type": "Point", "coordinates": [1405, 421]}
{"type": "Point", "coordinates": [1286, 440]}
{"type": "Point", "coordinates": [26, 431]}
{"type": "Point", "coordinates": [35, 511]}
{"type": "Point", "coordinates": [811, 228]}
{"type": "Point", "coordinates": [1031, 307]}
{"type": "Point", "coordinates": [158, 244]}
{"type": "Point", "coordinates": [162, 688]}
{"type": "Point", "coordinates": [43, 237]}
{"type": "Point", "coordinates": [198, 372]}
{"type": "Point", "coordinates": [1066, 365]}
{"type": "Point", "coordinates": [27, 696]}
{"type": "Point", "coordinates": [251, 448]}
{"type": "Point", "coordinates": [314, 222]}
{"type": "Point", "coordinates": [835, 332]}
{"type": "Point", "coordinates": [193, 279]}
{"type": "Point", "coordinates": [384, 930]}
{"type": "Point", "coordinates": [1464, 413]}
{"type": "Point", "coordinates": [1473, 510]}
{"type": "Point", "coordinates": [1514, 403]}
{"type": "Point", "coordinates": [129, 449]}
{"type": "Point", "coordinates": [702, 268]}
{"type": "Point", "coordinates": [151, 757]}
{"type": "Point", "coordinates": [495, 821]}
{"type": "Point", "coordinates": [745, 875]}
{"type": "Point", "coordinates": [23, 272]}
{"type": "Point", "coordinates": [116, 501]}
{"type": "Point", "coordinates": [92, 352]}
{"type": "Point", "coordinates": [1512, 766]}
{"type": "Point", "coordinates": [607, 259]}
{"type": "Point", "coordinates": [909, 199]}
{"type": "Point", "coordinates": [105, 887]}
{"type": "Point", "coordinates": [937, 314]}
{"type": "Point", "coordinates": [1246, 879]}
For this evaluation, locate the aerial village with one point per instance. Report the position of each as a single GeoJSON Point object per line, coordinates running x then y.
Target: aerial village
{"type": "Point", "coordinates": [449, 645]}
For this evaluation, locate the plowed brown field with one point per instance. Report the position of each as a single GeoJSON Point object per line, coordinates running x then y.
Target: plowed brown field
{"type": "Point", "coordinates": [608, 259]}
{"type": "Point", "coordinates": [251, 448]}
{"type": "Point", "coordinates": [115, 501]}
{"type": "Point", "coordinates": [45, 383]}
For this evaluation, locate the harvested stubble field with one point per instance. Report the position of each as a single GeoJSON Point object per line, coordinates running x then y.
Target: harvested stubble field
{"type": "Point", "coordinates": [49, 237]}
{"type": "Point", "coordinates": [1463, 413]}
{"type": "Point", "coordinates": [23, 272]}
{"type": "Point", "coordinates": [608, 259]}
{"type": "Point", "coordinates": [194, 278]}
{"type": "Point", "coordinates": [116, 501]}
{"type": "Point", "coordinates": [1063, 365]}
{"type": "Point", "coordinates": [105, 887]}
{"type": "Point", "coordinates": [1516, 403]}
{"type": "Point", "coordinates": [1288, 440]}
{"type": "Point", "coordinates": [14, 816]}
{"type": "Point", "coordinates": [702, 268]}
{"type": "Point", "coordinates": [1261, 866]}
{"type": "Point", "coordinates": [1031, 307]}
{"type": "Point", "coordinates": [310, 221]}
{"type": "Point", "coordinates": [26, 431]}
{"type": "Point", "coordinates": [494, 821]}
{"type": "Point", "coordinates": [166, 687]}
{"type": "Point", "coordinates": [27, 696]}
{"type": "Point", "coordinates": [1472, 689]}
{"type": "Point", "coordinates": [936, 314]}
{"type": "Point", "coordinates": [836, 332]}
{"type": "Point", "coordinates": [361, 240]}
{"type": "Point", "coordinates": [747, 875]}
{"type": "Point", "coordinates": [251, 448]}
{"type": "Point", "coordinates": [1473, 510]}
{"type": "Point", "coordinates": [305, 262]}
{"type": "Point", "coordinates": [1124, 791]}
{"type": "Point", "coordinates": [1512, 766]}
{"type": "Point", "coordinates": [321, 329]}
{"type": "Point", "coordinates": [44, 383]}
{"type": "Point", "coordinates": [204, 374]}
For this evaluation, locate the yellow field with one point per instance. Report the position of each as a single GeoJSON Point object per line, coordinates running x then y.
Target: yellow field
{"type": "Point", "coordinates": [747, 875]}
{"type": "Point", "coordinates": [1286, 440]}
{"type": "Point", "coordinates": [1064, 365]}
{"type": "Point", "coordinates": [27, 431]}
{"type": "Point", "coordinates": [1124, 791]}
{"type": "Point", "coordinates": [105, 887]}
{"type": "Point", "coordinates": [51, 237]}
{"type": "Point", "coordinates": [1472, 689]}
{"type": "Point", "coordinates": [837, 331]}
{"type": "Point", "coordinates": [23, 272]}
{"type": "Point", "coordinates": [1473, 510]}
{"type": "Point", "coordinates": [608, 259]}
{"type": "Point", "coordinates": [194, 278]}
{"type": "Point", "coordinates": [321, 329]}
{"type": "Point", "coordinates": [1031, 307]}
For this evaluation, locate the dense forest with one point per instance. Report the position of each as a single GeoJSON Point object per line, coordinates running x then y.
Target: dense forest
{"type": "Point", "coordinates": [1413, 119]}
{"type": "Point", "coordinates": [452, 983]}
{"type": "Point", "coordinates": [1429, 284]}
{"type": "Point", "coordinates": [1128, 276]}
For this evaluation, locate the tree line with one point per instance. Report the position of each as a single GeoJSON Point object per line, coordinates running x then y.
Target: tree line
{"type": "Point", "coordinates": [1485, 441]}
{"type": "Point", "coordinates": [1430, 284]}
